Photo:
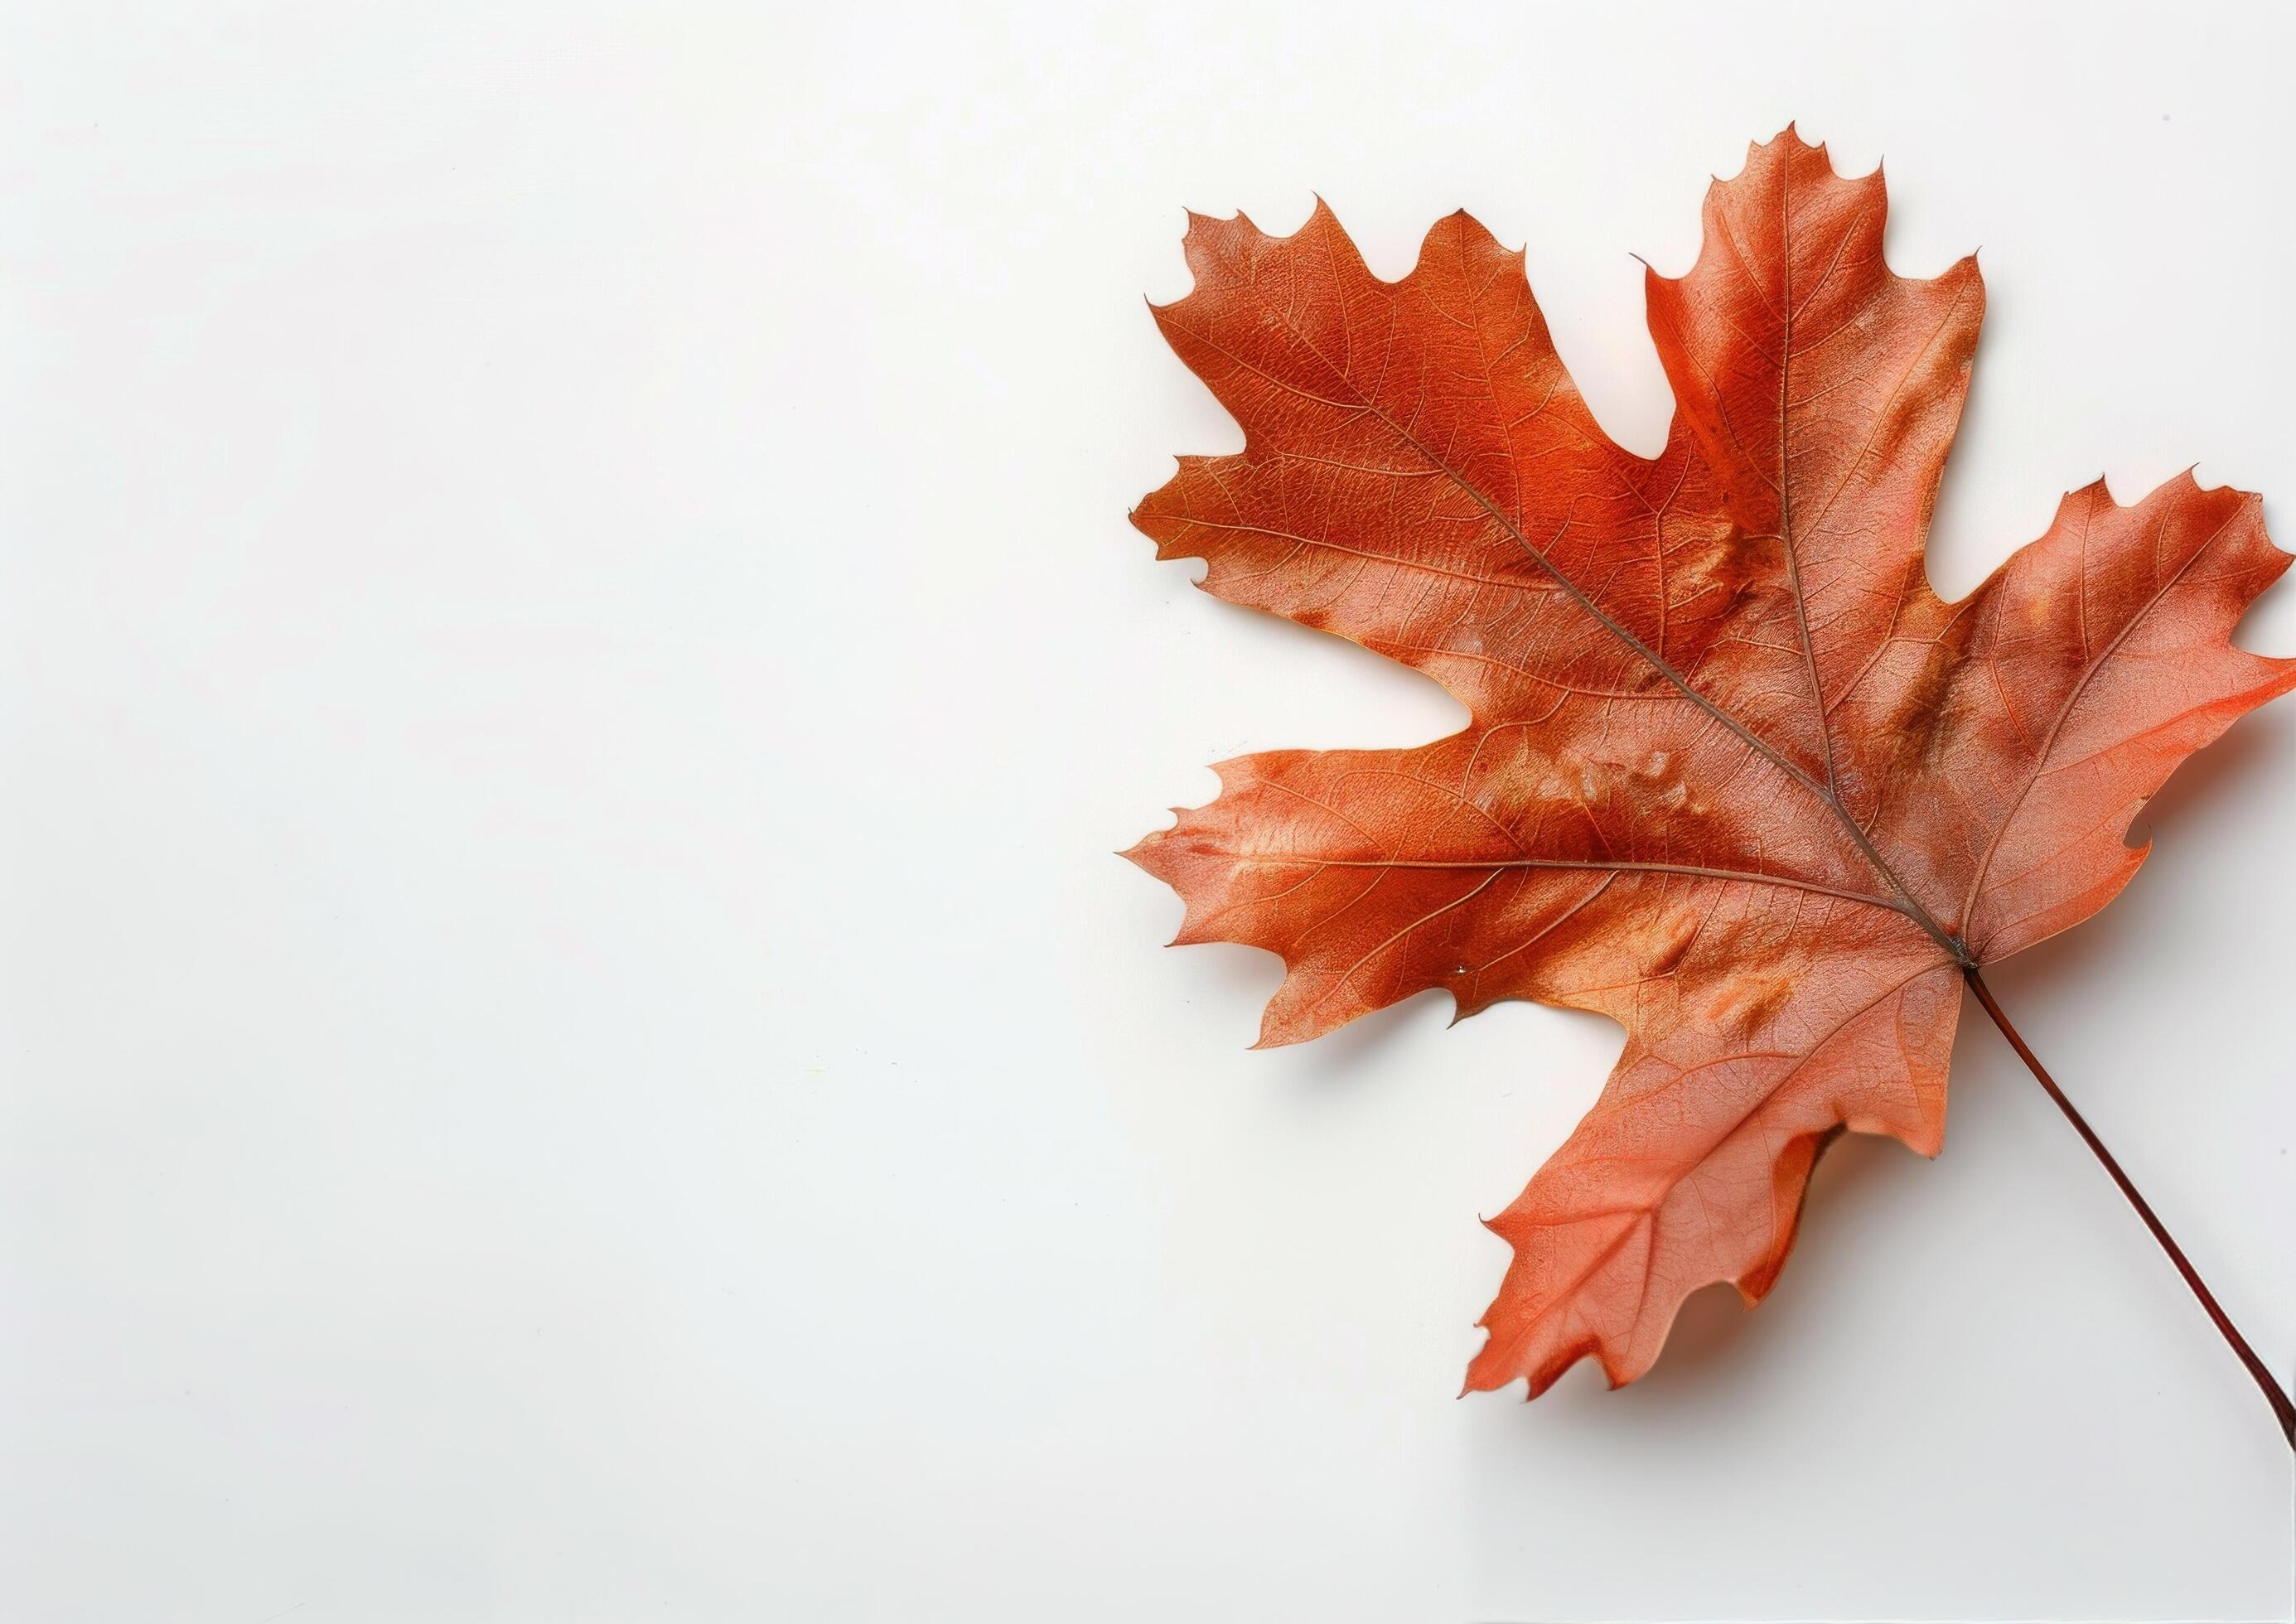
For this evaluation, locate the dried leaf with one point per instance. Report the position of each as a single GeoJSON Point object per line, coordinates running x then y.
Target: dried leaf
{"type": "Point", "coordinates": [1735, 776]}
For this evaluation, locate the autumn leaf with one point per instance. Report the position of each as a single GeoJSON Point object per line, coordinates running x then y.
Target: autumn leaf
{"type": "Point", "coordinates": [1736, 777]}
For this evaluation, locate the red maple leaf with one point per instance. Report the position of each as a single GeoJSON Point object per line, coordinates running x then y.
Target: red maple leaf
{"type": "Point", "coordinates": [1736, 777]}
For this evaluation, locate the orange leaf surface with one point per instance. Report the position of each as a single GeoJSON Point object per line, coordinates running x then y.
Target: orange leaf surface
{"type": "Point", "coordinates": [1736, 777]}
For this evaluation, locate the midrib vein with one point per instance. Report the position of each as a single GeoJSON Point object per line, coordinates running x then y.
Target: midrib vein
{"type": "Point", "coordinates": [1785, 473]}
{"type": "Point", "coordinates": [1735, 876]}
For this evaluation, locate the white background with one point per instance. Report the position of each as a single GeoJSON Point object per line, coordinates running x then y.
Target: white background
{"type": "Point", "coordinates": [572, 662]}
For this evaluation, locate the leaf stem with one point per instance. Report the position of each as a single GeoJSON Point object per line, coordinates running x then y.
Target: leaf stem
{"type": "Point", "coordinates": [2274, 1395]}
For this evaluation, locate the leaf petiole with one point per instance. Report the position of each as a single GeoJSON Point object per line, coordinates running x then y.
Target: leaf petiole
{"type": "Point", "coordinates": [2283, 1410]}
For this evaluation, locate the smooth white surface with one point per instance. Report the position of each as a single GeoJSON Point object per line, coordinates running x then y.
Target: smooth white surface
{"type": "Point", "coordinates": [571, 663]}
